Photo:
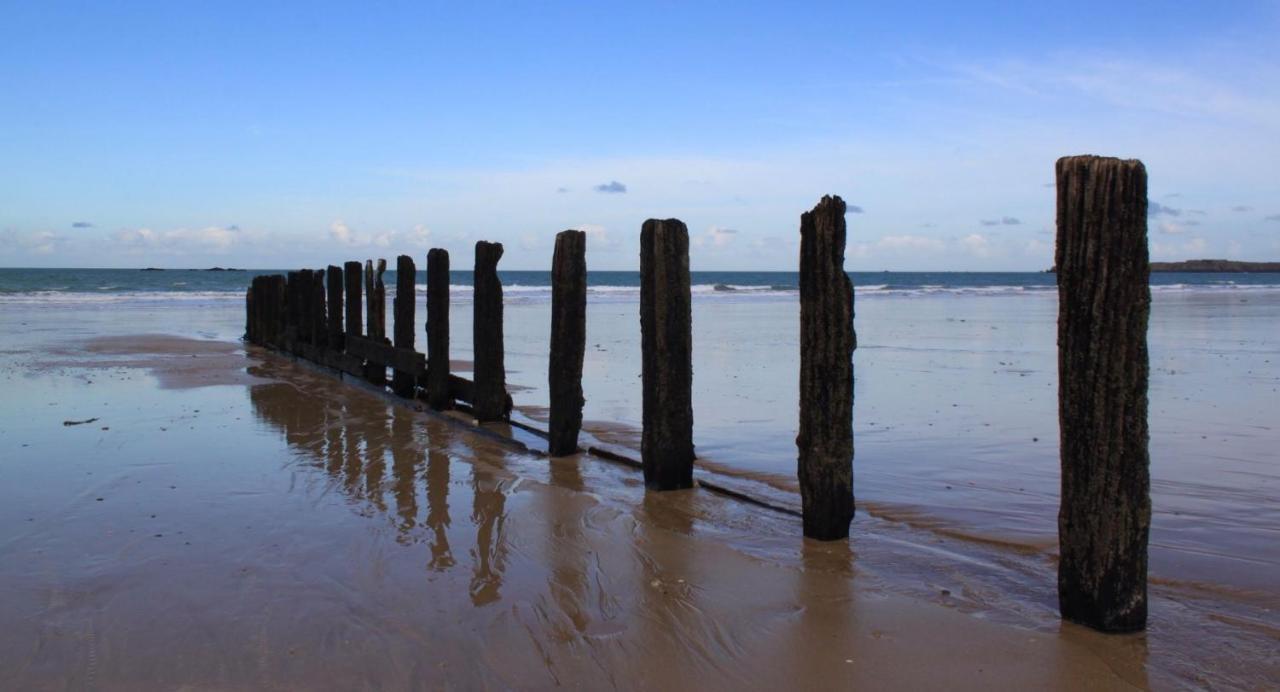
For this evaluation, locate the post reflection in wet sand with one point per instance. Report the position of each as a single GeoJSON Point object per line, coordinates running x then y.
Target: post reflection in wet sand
{"type": "Point", "coordinates": [405, 461]}
{"type": "Point", "coordinates": [488, 514]}
{"type": "Point", "coordinates": [438, 498]}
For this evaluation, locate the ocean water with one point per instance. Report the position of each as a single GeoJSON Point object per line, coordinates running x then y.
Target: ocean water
{"type": "Point", "coordinates": [115, 285]}
{"type": "Point", "coordinates": [955, 416]}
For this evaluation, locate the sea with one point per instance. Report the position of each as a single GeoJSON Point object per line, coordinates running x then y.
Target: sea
{"type": "Point", "coordinates": [133, 285]}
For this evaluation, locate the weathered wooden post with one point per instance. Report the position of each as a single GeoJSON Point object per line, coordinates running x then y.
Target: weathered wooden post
{"type": "Point", "coordinates": [351, 274]}
{"type": "Point", "coordinates": [438, 396]}
{"type": "Point", "coordinates": [827, 341]}
{"type": "Point", "coordinates": [334, 285]}
{"type": "Point", "coordinates": [666, 341]}
{"type": "Point", "coordinates": [376, 317]}
{"type": "Point", "coordinates": [1103, 304]}
{"type": "Point", "coordinates": [489, 400]}
{"type": "Point", "coordinates": [402, 382]}
{"type": "Point", "coordinates": [376, 295]}
{"type": "Point", "coordinates": [568, 341]}
{"type": "Point", "coordinates": [250, 315]}
{"type": "Point", "coordinates": [319, 326]}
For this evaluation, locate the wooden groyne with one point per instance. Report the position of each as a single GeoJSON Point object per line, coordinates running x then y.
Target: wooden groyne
{"type": "Point", "coordinates": [1104, 302]}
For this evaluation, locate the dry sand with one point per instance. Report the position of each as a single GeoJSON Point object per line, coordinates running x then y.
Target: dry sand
{"type": "Point", "coordinates": [238, 520]}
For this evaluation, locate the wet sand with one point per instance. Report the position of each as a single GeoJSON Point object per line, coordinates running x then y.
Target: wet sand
{"type": "Point", "coordinates": [255, 522]}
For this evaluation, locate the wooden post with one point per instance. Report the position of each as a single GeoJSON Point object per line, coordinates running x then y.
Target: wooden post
{"type": "Point", "coordinates": [403, 383]}
{"type": "Point", "coordinates": [277, 307]}
{"type": "Point", "coordinates": [375, 293]}
{"type": "Point", "coordinates": [351, 274]}
{"type": "Point", "coordinates": [827, 342]}
{"type": "Point", "coordinates": [568, 341]}
{"type": "Point", "coordinates": [438, 396]}
{"type": "Point", "coordinates": [1103, 303]}
{"type": "Point", "coordinates": [490, 398]}
{"type": "Point", "coordinates": [334, 286]}
{"type": "Point", "coordinates": [376, 296]}
{"type": "Point", "coordinates": [319, 326]}
{"type": "Point", "coordinates": [666, 340]}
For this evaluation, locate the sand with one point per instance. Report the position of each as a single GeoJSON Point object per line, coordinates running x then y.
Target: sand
{"type": "Point", "coordinates": [252, 522]}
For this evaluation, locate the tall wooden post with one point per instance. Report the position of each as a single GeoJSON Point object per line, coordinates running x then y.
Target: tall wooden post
{"type": "Point", "coordinates": [1103, 303]}
{"type": "Point", "coordinates": [568, 340]}
{"type": "Point", "coordinates": [352, 275]}
{"type": "Point", "coordinates": [827, 342]}
{"type": "Point", "coordinates": [376, 296]}
{"type": "Point", "coordinates": [438, 396]}
{"type": "Point", "coordinates": [375, 293]}
{"type": "Point", "coordinates": [334, 286]}
{"type": "Point", "coordinates": [319, 325]}
{"type": "Point", "coordinates": [489, 400]}
{"type": "Point", "coordinates": [402, 383]}
{"type": "Point", "coordinates": [666, 340]}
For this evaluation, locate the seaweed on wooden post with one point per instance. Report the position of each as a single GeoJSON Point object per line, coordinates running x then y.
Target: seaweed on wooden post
{"type": "Point", "coordinates": [351, 273]}
{"type": "Point", "coordinates": [666, 340]}
{"type": "Point", "coordinates": [1104, 299]}
{"type": "Point", "coordinates": [334, 286]}
{"type": "Point", "coordinates": [438, 396]}
{"type": "Point", "coordinates": [568, 341]}
{"type": "Point", "coordinates": [489, 400]}
{"type": "Point", "coordinates": [827, 342]}
{"type": "Point", "coordinates": [403, 383]}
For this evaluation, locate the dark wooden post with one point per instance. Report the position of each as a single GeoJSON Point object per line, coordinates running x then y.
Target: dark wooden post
{"type": "Point", "coordinates": [438, 396]}
{"type": "Point", "coordinates": [568, 340]}
{"type": "Point", "coordinates": [666, 340]}
{"type": "Point", "coordinates": [827, 342]}
{"type": "Point", "coordinates": [319, 325]}
{"type": "Point", "coordinates": [334, 285]}
{"type": "Point", "coordinates": [1103, 303]}
{"type": "Point", "coordinates": [250, 316]}
{"type": "Point", "coordinates": [352, 275]}
{"type": "Point", "coordinates": [402, 383]}
{"type": "Point", "coordinates": [278, 307]}
{"type": "Point", "coordinates": [489, 400]}
{"type": "Point", "coordinates": [376, 295]}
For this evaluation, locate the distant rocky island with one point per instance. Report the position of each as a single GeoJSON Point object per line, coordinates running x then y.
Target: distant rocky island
{"type": "Point", "coordinates": [1210, 266]}
{"type": "Point", "coordinates": [1215, 266]}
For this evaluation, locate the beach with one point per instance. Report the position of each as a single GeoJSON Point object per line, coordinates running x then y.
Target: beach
{"type": "Point", "coordinates": [181, 509]}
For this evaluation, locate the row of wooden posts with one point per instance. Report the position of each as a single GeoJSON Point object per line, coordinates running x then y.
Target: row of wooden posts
{"type": "Point", "coordinates": [1102, 272]}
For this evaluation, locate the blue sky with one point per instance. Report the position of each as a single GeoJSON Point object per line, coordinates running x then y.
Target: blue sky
{"type": "Point", "coordinates": [193, 134]}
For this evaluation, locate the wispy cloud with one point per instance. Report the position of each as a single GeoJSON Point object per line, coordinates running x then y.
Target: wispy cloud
{"type": "Point", "coordinates": [715, 237]}
{"type": "Point", "coordinates": [81, 224]}
{"type": "Point", "coordinates": [1155, 209]}
{"type": "Point", "coordinates": [1241, 208]}
{"type": "Point", "coordinates": [853, 209]}
{"type": "Point", "coordinates": [1272, 217]}
{"type": "Point", "coordinates": [611, 187]}
{"type": "Point", "coordinates": [1002, 221]}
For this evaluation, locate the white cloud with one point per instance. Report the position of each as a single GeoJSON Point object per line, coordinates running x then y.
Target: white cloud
{"type": "Point", "coordinates": [911, 242]}
{"type": "Point", "coordinates": [715, 237]}
{"type": "Point", "coordinates": [342, 233]}
{"type": "Point", "coordinates": [215, 239]}
{"type": "Point", "coordinates": [977, 245]}
{"type": "Point", "coordinates": [1171, 228]}
{"type": "Point", "coordinates": [35, 242]}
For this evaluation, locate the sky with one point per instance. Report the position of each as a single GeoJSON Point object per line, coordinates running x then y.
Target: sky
{"type": "Point", "coordinates": [278, 135]}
